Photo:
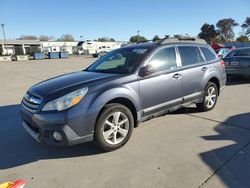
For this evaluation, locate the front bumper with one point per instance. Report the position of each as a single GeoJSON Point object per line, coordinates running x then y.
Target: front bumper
{"type": "Point", "coordinates": [41, 127]}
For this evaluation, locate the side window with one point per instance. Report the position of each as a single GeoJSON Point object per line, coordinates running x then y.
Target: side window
{"type": "Point", "coordinates": [241, 53]}
{"type": "Point", "coordinates": [190, 55]}
{"type": "Point", "coordinates": [207, 54]}
{"type": "Point", "coordinates": [164, 59]}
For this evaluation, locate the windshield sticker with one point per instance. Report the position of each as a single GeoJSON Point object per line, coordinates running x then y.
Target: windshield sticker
{"type": "Point", "coordinates": [140, 50]}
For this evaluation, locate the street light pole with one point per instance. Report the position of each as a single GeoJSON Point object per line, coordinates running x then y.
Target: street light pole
{"type": "Point", "coordinates": [138, 40]}
{"type": "Point", "coordinates": [3, 38]}
{"type": "Point", "coordinates": [3, 33]}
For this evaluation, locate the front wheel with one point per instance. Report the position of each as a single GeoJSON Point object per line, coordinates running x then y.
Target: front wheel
{"type": "Point", "coordinates": [114, 127]}
{"type": "Point", "coordinates": [210, 97]}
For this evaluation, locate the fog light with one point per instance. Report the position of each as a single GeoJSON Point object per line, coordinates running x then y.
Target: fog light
{"type": "Point", "coordinates": [57, 136]}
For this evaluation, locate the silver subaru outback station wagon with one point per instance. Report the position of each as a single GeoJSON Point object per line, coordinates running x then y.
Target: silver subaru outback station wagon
{"type": "Point", "coordinates": [104, 102]}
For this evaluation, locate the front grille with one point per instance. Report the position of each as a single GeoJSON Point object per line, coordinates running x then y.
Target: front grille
{"type": "Point", "coordinates": [31, 103]}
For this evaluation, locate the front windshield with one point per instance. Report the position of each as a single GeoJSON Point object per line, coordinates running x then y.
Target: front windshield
{"type": "Point", "coordinates": [120, 61]}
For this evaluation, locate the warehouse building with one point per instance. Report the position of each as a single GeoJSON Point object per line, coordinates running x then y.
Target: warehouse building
{"type": "Point", "coordinates": [19, 47]}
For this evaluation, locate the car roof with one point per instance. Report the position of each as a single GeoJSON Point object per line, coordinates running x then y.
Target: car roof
{"type": "Point", "coordinates": [154, 45]}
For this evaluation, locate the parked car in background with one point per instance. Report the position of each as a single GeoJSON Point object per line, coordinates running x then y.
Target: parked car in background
{"type": "Point", "coordinates": [121, 89]}
{"type": "Point", "coordinates": [99, 54]}
{"type": "Point", "coordinates": [237, 62]}
{"type": "Point", "coordinates": [222, 52]}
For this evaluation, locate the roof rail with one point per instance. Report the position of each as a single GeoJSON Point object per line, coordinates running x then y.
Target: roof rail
{"type": "Point", "coordinates": [182, 40]}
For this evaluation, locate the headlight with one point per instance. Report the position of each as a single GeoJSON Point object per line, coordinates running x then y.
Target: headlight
{"type": "Point", "coordinates": [66, 101]}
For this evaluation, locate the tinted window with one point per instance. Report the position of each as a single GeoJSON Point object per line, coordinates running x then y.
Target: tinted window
{"type": "Point", "coordinates": [245, 52]}
{"type": "Point", "coordinates": [208, 54]}
{"type": "Point", "coordinates": [190, 55]}
{"type": "Point", "coordinates": [164, 59]}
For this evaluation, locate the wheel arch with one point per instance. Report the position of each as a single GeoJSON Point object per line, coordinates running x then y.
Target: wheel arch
{"type": "Point", "coordinates": [216, 81]}
{"type": "Point", "coordinates": [126, 102]}
{"type": "Point", "coordinates": [127, 96]}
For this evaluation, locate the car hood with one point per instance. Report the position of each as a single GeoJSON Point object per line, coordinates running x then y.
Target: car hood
{"type": "Point", "coordinates": [69, 82]}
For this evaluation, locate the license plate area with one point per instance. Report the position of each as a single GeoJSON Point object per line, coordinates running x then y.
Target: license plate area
{"type": "Point", "coordinates": [234, 63]}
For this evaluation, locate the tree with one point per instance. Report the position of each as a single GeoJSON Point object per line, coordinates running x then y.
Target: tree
{"type": "Point", "coordinates": [156, 38]}
{"type": "Point", "coordinates": [106, 39]}
{"type": "Point", "coordinates": [208, 33]}
{"type": "Point", "coordinates": [243, 38]}
{"type": "Point", "coordinates": [225, 27]}
{"type": "Point", "coordinates": [45, 38]}
{"type": "Point", "coordinates": [246, 26]}
{"type": "Point", "coordinates": [220, 39]}
{"type": "Point", "coordinates": [166, 36]}
{"type": "Point", "coordinates": [28, 37]}
{"type": "Point", "coordinates": [66, 37]}
{"type": "Point", "coordinates": [135, 39]}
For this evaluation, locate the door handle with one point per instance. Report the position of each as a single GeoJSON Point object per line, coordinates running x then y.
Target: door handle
{"type": "Point", "coordinates": [176, 76]}
{"type": "Point", "coordinates": [203, 69]}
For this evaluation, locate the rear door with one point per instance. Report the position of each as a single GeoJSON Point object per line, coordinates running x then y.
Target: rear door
{"type": "Point", "coordinates": [194, 69]}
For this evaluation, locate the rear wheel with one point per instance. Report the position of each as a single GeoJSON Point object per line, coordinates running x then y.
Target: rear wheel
{"type": "Point", "coordinates": [210, 97]}
{"type": "Point", "coordinates": [114, 127]}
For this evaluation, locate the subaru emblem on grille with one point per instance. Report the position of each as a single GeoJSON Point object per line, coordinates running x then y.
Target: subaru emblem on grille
{"type": "Point", "coordinates": [32, 99]}
{"type": "Point", "coordinates": [35, 100]}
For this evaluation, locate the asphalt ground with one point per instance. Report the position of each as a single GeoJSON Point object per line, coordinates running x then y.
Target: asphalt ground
{"type": "Point", "coordinates": [185, 148]}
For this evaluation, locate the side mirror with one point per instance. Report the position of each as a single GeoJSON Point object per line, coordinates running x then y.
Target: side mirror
{"type": "Point", "coordinates": [146, 71]}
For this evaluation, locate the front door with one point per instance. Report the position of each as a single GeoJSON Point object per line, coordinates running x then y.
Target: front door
{"type": "Point", "coordinates": [162, 88]}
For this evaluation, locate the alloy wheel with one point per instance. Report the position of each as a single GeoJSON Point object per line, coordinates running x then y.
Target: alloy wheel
{"type": "Point", "coordinates": [210, 98]}
{"type": "Point", "coordinates": [115, 128]}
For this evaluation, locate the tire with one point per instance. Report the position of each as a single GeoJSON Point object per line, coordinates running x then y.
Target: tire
{"type": "Point", "coordinates": [114, 127]}
{"type": "Point", "coordinates": [209, 99]}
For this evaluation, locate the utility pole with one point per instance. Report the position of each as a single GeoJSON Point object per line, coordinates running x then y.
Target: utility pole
{"type": "Point", "coordinates": [138, 36]}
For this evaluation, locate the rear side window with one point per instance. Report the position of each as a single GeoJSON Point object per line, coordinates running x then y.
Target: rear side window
{"type": "Point", "coordinates": [245, 52]}
{"type": "Point", "coordinates": [207, 54]}
{"type": "Point", "coordinates": [164, 59]}
{"type": "Point", "coordinates": [190, 55]}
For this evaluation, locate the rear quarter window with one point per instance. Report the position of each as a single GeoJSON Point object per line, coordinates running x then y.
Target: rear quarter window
{"type": "Point", "coordinates": [209, 56]}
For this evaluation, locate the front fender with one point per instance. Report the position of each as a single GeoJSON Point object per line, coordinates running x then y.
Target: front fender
{"type": "Point", "coordinates": [118, 92]}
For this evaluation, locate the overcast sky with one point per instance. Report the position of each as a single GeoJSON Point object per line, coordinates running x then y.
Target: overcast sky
{"type": "Point", "coordinates": [118, 19]}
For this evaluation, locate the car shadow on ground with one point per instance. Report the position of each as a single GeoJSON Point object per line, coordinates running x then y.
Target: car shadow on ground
{"type": "Point", "coordinates": [19, 148]}
{"type": "Point", "coordinates": [230, 163]}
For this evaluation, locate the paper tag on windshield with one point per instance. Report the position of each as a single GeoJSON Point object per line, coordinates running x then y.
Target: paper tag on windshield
{"type": "Point", "coordinates": [140, 50]}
